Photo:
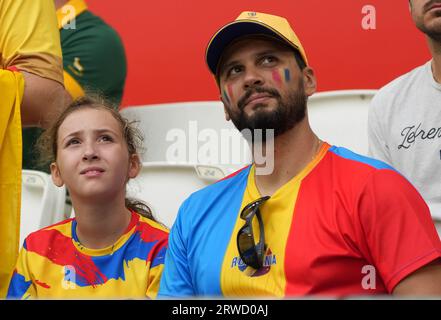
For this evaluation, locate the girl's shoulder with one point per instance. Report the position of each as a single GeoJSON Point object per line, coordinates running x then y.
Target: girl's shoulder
{"type": "Point", "coordinates": [151, 226]}
{"type": "Point", "coordinates": [49, 234]}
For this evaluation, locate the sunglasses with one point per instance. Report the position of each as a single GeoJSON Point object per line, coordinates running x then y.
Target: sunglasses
{"type": "Point", "coordinates": [252, 254]}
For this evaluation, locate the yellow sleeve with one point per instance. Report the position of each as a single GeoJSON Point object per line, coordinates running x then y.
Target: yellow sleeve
{"type": "Point", "coordinates": [72, 86]}
{"type": "Point", "coordinates": [154, 279]}
{"type": "Point", "coordinates": [29, 38]}
{"type": "Point", "coordinates": [11, 88]}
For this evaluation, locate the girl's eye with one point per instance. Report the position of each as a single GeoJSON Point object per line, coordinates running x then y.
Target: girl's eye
{"type": "Point", "coordinates": [106, 138]}
{"type": "Point", "coordinates": [72, 141]}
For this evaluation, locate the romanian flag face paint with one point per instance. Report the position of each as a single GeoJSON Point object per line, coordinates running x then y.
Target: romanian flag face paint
{"type": "Point", "coordinates": [277, 78]}
{"type": "Point", "coordinates": [287, 74]}
{"type": "Point", "coordinates": [227, 93]}
{"type": "Point", "coordinates": [230, 91]}
{"type": "Point", "coordinates": [225, 96]}
{"type": "Point", "coordinates": [280, 76]}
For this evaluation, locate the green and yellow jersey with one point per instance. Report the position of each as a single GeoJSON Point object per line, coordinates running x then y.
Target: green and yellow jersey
{"type": "Point", "coordinates": [93, 60]}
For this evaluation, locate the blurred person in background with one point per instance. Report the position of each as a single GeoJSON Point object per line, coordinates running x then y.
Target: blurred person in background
{"type": "Point", "coordinates": [404, 122]}
{"type": "Point", "coordinates": [94, 61]}
{"type": "Point", "coordinates": [31, 94]}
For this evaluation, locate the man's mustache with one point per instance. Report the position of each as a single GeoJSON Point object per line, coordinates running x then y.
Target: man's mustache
{"type": "Point", "coordinates": [429, 4]}
{"type": "Point", "coordinates": [244, 100]}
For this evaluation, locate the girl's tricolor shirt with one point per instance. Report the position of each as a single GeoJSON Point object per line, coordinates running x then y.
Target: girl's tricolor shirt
{"type": "Point", "coordinates": [345, 225]}
{"type": "Point", "coordinates": [53, 263]}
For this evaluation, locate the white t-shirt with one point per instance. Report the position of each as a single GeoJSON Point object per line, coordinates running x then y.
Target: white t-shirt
{"type": "Point", "coordinates": [405, 131]}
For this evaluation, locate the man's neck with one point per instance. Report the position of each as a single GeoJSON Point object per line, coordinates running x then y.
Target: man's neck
{"type": "Point", "coordinates": [435, 50]}
{"type": "Point", "coordinates": [293, 150]}
{"type": "Point", "coordinates": [60, 3]}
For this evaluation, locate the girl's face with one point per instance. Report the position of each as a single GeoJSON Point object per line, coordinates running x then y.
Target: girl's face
{"type": "Point", "coordinates": [92, 157]}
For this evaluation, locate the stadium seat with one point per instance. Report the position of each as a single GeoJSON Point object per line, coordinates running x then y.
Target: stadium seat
{"type": "Point", "coordinates": [165, 186]}
{"type": "Point", "coordinates": [198, 126]}
{"type": "Point", "coordinates": [42, 203]}
{"type": "Point", "coordinates": [340, 117]}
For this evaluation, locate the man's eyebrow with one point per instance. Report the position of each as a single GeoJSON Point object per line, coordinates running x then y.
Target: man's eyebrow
{"type": "Point", "coordinates": [267, 52]}
{"type": "Point", "coordinates": [227, 65]}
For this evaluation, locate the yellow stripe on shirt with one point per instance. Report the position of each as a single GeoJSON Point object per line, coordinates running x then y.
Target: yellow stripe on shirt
{"type": "Point", "coordinates": [11, 88]}
{"type": "Point", "coordinates": [277, 215]}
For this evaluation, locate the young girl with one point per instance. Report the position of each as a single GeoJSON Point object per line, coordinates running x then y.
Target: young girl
{"type": "Point", "coordinates": [113, 247]}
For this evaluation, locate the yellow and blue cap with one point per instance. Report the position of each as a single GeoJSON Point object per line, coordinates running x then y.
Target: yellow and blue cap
{"type": "Point", "coordinates": [251, 23]}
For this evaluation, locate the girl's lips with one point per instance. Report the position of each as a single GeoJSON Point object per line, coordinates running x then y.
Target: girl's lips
{"type": "Point", "coordinates": [93, 173]}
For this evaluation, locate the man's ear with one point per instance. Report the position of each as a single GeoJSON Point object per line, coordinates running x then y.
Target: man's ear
{"type": "Point", "coordinates": [56, 175]}
{"type": "Point", "coordinates": [134, 166]}
{"type": "Point", "coordinates": [309, 81]}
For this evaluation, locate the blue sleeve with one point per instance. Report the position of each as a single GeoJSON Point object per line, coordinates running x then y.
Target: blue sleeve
{"type": "Point", "coordinates": [20, 286]}
{"type": "Point", "coordinates": [176, 278]}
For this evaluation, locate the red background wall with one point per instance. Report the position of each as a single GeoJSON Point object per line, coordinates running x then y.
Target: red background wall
{"type": "Point", "coordinates": [165, 42]}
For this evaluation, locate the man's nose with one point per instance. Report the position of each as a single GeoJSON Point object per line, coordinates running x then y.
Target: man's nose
{"type": "Point", "coordinates": [253, 77]}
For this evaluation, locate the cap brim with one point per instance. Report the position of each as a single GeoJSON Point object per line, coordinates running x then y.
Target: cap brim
{"type": "Point", "coordinates": [231, 32]}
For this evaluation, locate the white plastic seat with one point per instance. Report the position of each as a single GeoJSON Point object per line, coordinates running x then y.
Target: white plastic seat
{"type": "Point", "coordinates": [198, 124]}
{"type": "Point", "coordinates": [340, 117]}
{"type": "Point", "coordinates": [165, 186]}
{"type": "Point", "coordinates": [42, 203]}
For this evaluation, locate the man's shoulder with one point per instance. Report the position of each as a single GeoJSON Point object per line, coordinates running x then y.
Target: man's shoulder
{"type": "Point", "coordinates": [224, 189]}
{"type": "Point", "coordinates": [395, 86]}
{"type": "Point", "coordinates": [223, 185]}
{"type": "Point", "coordinates": [355, 172]}
{"type": "Point", "coordinates": [353, 162]}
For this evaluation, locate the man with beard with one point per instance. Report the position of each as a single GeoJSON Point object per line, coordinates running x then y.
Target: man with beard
{"type": "Point", "coordinates": [405, 115]}
{"type": "Point", "coordinates": [325, 221]}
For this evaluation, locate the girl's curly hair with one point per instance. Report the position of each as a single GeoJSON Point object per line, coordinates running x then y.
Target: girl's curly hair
{"type": "Point", "coordinates": [47, 143]}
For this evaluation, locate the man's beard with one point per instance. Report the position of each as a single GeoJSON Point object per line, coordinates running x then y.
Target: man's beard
{"type": "Point", "coordinates": [288, 113]}
{"type": "Point", "coordinates": [433, 33]}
